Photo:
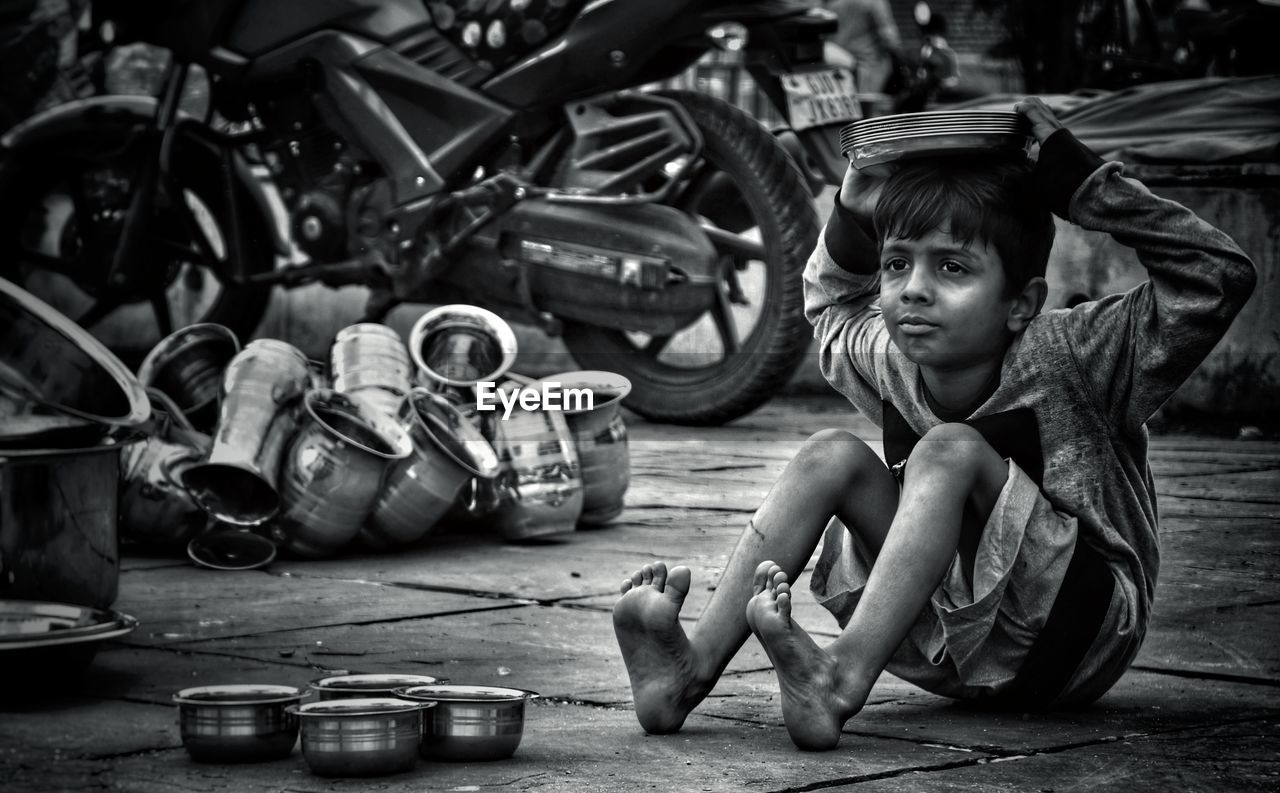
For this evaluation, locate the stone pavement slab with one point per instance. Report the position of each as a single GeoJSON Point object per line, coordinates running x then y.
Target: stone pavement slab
{"type": "Point", "coordinates": [1198, 711]}
{"type": "Point", "coordinates": [1225, 757]}
{"type": "Point", "coordinates": [188, 603]}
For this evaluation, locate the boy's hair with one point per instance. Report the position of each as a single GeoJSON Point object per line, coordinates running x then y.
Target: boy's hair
{"type": "Point", "coordinates": [987, 199]}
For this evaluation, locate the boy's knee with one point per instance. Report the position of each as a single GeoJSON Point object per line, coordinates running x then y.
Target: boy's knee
{"type": "Point", "coordinates": [952, 448]}
{"type": "Point", "coordinates": [834, 453]}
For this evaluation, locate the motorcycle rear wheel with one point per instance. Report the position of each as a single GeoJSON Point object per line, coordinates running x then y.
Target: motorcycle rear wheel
{"type": "Point", "coordinates": [55, 244]}
{"type": "Point", "coordinates": [736, 357]}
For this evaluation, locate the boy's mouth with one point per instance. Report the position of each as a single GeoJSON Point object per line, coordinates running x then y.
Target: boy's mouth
{"type": "Point", "coordinates": [913, 325]}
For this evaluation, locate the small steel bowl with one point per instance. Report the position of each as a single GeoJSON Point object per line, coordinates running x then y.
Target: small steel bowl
{"type": "Point", "coordinates": [470, 722]}
{"type": "Point", "coordinates": [240, 723]}
{"type": "Point", "coordinates": [361, 737]}
{"type": "Point", "coordinates": [365, 686]}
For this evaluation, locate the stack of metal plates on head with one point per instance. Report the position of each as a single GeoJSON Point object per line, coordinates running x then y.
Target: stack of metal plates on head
{"type": "Point", "coordinates": [873, 141]}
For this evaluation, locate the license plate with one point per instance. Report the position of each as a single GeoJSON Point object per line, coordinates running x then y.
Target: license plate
{"type": "Point", "coordinates": [826, 96]}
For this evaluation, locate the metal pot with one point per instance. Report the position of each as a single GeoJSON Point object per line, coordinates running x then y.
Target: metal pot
{"type": "Point", "coordinates": [369, 361]}
{"type": "Point", "coordinates": [262, 387]}
{"type": "Point", "coordinates": [457, 346]}
{"type": "Point", "coordinates": [188, 366]}
{"type": "Point", "coordinates": [333, 471]}
{"type": "Point", "coordinates": [600, 436]}
{"type": "Point", "coordinates": [540, 484]}
{"type": "Point", "coordinates": [470, 722]}
{"type": "Point", "coordinates": [58, 519]}
{"type": "Point", "coordinates": [238, 723]}
{"type": "Point", "coordinates": [448, 451]}
{"type": "Point", "coordinates": [361, 737]}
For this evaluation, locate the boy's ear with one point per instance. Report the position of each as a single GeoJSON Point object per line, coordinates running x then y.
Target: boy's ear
{"type": "Point", "coordinates": [1027, 304]}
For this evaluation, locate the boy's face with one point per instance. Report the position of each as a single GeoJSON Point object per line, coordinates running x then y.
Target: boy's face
{"type": "Point", "coordinates": [943, 301]}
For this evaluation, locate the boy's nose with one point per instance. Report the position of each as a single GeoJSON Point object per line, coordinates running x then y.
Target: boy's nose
{"type": "Point", "coordinates": [917, 288]}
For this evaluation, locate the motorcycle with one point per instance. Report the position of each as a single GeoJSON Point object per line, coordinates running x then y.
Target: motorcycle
{"type": "Point", "coordinates": [501, 154]}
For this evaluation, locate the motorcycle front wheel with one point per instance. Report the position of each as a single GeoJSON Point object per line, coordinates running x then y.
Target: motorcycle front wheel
{"type": "Point", "coordinates": [752, 199]}
{"type": "Point", "coordinates": [63, 204]}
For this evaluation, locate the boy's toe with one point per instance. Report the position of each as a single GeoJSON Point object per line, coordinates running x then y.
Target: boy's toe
{"type": "Point", "coordinates": [660, 576]}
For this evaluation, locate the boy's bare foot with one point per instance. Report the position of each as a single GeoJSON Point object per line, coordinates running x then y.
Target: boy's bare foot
{"type": "Point", "coordinates": [813, 706]}
{"type": "Point", "coordinates": [660, 660]}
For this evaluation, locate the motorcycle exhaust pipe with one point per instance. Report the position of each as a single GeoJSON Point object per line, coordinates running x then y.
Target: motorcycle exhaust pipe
{"type": "Point", "coordinates": [457, 346]}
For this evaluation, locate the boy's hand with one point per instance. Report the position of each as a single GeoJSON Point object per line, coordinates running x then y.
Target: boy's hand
{"type": "Point", "coordinates": [1043, 122]}
{"type": "Point", "coordinates": [861, 189]}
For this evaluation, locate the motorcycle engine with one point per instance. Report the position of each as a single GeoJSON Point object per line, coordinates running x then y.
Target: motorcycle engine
{"type": "Point", "coordinates": [322, 180]}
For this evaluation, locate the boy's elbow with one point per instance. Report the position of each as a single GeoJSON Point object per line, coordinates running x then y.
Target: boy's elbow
{"type": "Point", "coordinates": [1241, 281]}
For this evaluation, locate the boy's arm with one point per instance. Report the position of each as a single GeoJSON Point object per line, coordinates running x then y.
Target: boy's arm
{"type": "Point", "coordinates": [1135, 349]}
{"type": "Point", "coordinates": [841, 291]}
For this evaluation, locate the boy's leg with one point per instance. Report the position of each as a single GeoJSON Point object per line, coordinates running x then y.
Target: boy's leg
{"type": "Point", "coordinates": [952, 482]}
{"type": "Point", "coordinates": [671, 672]}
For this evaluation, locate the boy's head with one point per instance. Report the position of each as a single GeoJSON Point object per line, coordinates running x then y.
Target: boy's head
{"type": "Point", "coordinates": [963, 250]}
{"type": "Point", "coordinates": [988, 200]}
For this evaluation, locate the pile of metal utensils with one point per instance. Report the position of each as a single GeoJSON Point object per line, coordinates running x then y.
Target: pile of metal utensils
{"type": "Point", "coordinates": [370, 449]}
{"type": "Point", "coordinates": [232, 454]}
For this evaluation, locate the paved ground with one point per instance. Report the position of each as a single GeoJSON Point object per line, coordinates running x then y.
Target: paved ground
{"type": "Point", "coordinates": [1200, 710]}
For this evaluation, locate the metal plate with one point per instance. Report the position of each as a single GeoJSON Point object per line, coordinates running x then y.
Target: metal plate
{"type": "Point", "coordinates": [31, 624]}
{"type": "Point", "coordinates": [938, 145]}
{"type": "Point", "coordinates": [938, 115]}
{"type": "Point", "coordinates": [956, 130]}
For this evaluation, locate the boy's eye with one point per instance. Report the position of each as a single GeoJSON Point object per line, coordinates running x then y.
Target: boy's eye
{"type": "Point", "coordinates": [895, 264]}
{"type": "Point", "coordinates": [952, 266]}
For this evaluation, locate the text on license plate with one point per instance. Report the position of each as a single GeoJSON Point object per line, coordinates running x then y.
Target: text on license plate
{"type": "Point", "coordinates": [827, 96]}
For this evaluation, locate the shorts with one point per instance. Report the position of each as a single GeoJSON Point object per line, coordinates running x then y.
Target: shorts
{"type": "Point", "coordinates": [969, 641]}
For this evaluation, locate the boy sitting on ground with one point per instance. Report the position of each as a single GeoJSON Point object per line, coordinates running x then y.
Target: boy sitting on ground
{"type": "Point", "coordinates": [1008, 551]}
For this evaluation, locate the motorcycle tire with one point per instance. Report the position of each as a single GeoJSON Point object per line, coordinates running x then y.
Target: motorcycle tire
{"type": "Point", "coordinates": [38, 215]}
{"type": "Point", "coordinates": [751, 183]}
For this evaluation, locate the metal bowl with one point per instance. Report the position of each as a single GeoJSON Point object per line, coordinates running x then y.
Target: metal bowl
{"type": "Point", "coordinates": [361, 737]}
{"type": "Point", "coordinates": [470, 722]}
{"type": "Point", "coordinates": [240, 723]}
{"type": "Point", "coordinates": [365, 686]}
{"type": "Point", "coordinates": [49, 364]}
